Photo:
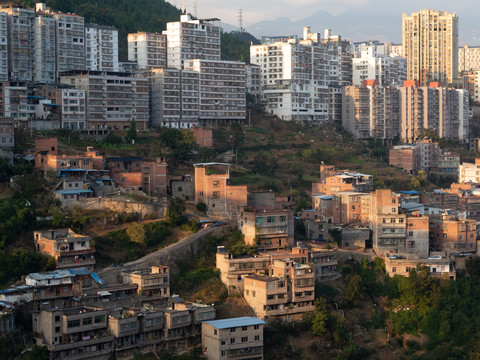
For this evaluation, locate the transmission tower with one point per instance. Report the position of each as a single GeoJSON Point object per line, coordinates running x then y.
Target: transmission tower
{"type": "Point", "coordinates": [240, 20]}
{"type": "Point", "coordinates": [195, 9]}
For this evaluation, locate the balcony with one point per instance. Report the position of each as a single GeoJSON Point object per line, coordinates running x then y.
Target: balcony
{"type": "Point", "coordinates": [76, 342]}
{"type": "Point", "coordinates": [245, 351]}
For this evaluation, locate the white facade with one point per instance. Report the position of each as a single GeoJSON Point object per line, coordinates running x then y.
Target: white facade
{"type": "Point", "coordinates": [73, 109]}
{"type": "Point", "coordinates": [222, 91]}
{"type": "Point", "coordinates": [15, 102]}
{"type": "Point", "coordinates": [20, 43]}
{"type": "Point", "coordinates": [45, 50]}
{"type": "Point", "coordinates": [174, 96]}
{"type": "Point", "coordinates": [148, 50]}
{"type": "Point", "coordinates": [294, 79]}
{"type": "Point", "coordinates": [468, 58]}
{"type": "Point", "coordinates": [373, 65]}
{"type": "Point", "coordinates": [190, 39]}
{"type": "Point", "coordinates": [469, 173]}
{"type": "Point", "coordinates": [101, 48]}
{"type": "Point", "coordinates": [3, 47]}
{"type": "Point", "coordinates": [252, 80]}
{"type": "Point", "coordinates": [70, 37]}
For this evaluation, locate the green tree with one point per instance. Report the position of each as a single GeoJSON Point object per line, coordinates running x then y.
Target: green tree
{"type": "Point", "coordinates": [175, 211]}
{"type": "Point", "coordinates": [201, 206]}
{"type": "Point", "coordinates": [132, 132]}
{"type": "Point", "coordinates": [37, 353]}
{"type": "Point", "coordinates": [206, 154]}
{"type": "Point", "coordinates": [320, 319]}
{"type": "Point", "coordinates": [237, 136]}
{"type": "Point", "coordinates": [353, 292]}
{"type": "Point", "coordinates": [136, 233]}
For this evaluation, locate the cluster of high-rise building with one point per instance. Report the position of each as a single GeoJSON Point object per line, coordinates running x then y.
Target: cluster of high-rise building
{"type": "Point", "coordinates": [49, 60]}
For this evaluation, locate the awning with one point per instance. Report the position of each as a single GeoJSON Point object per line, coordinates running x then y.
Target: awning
{"type": "Point", "coordinates": [104, 293]}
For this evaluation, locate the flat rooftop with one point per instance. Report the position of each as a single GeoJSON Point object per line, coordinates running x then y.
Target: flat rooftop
{"type": "Point", "coordinates": [235, 322]}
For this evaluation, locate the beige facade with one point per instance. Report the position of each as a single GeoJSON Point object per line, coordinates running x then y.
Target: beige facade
{"type": "Point", "coordinates": [437, 266]}
{"type": "Point", "coordinates": [469, 173]}
{"type": "Point", "coordinates": [69, 249]}
{"type": "Point", "coordinates": [233, 338]}
{"type": "Point", "coordinates": [468, 58]}
{"type": "Point", "coordinates": [148, 50]}
{"type": "Point", "coordinates": [153, 284]}
{"type": "Point", "coordinates": [430, 44]}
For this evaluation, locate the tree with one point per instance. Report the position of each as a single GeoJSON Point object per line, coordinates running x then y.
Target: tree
{"type": "Point", "coordinates": [175, 211]}
{"type": "Point", "coordinates": [136, 233]}
{"type": "Point", "coordinates": [354, 289]}
{"type": "Point", "coordinates": [320, 320]}
{"type": "Point", "coordinates": [237, 135]}
{"type": "Point", "coordinates": [201, 206]}
{"type": "Point", "coordinates": [37, 353]}
{"type": "Point", "coordinates": [132, 132]}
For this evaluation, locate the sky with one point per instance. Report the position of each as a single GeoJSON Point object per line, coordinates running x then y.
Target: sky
{"type": "Point", "coordinates": [254, 11]}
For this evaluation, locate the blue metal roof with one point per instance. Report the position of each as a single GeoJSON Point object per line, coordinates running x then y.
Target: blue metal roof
{"type": "Point", "coordinates": [16, 288]}
{"type": "Point", "coordinates": [235, 322]}
{"type": "Point", "coordinates": [325, 197]}
{"type": "Point", "coordinates": [79, 271]}
{"type": "Point", "coordinates": [73, 192]}
{"type": "Point", "coordinates": [97, 279]}
{"type": "Point", "coordinates": [65, 170]}
{"type": "Point", "coordinates": [439, 191]}
{"type": "Point", "coordinates": [410, 192]}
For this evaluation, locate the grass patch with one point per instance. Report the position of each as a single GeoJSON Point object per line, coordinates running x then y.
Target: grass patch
{"type": "Point", "coordinates": [257, 129]}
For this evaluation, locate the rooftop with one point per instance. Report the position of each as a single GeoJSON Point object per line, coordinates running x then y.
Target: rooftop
{"type": "Point", "coordinates": [235, 322]}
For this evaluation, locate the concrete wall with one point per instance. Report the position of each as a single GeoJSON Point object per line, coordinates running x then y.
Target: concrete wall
{"type": "Point", "coordinates": [119, 206]}
{"type": "Point", "coordinates": [168, 256]}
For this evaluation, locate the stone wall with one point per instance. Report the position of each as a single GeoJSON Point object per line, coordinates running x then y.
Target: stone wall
{"type": "Point", "coordinates": [157, 210]}
{"type": "Point", "coordinates": [168, 256]}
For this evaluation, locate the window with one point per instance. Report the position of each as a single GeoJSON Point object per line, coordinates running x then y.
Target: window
{"type": "Point", "coordinates": [270, 219]}
{"type": "Point", "coordinates": [223, 342]}
{"type": "Point", "coordinates": [244, 328]}
{"type": "Point", "coordinates": [259, 220]}
{"type": "Point", "coordinates": [215, 183]}
{"type": "Point", "coordinates": [232, 329]}
{"type": "Point", "coordinates": [257, 337]}
{"type": "Point", "coordinates": [57, 318]}
{"type": "Point", "coordinates": [283, 218]}
{"type": "Point", "coordinates": [99, 319]}
{"type": "Point", "coordinates": [244, 339]}
{"type": "Point", "coordinates": [407, 269]}
{"type": "Point", "coordinates": [87, 321]}
{"type": "Point", "coordinates": [223, 352]}
{"type": "Point", "coordinates": [73, 323]}
{"type": "Point", "coordinates": [256, 327]}
{"type": "Point", "coordinates": [232, 341]}
{"type": "Point", "coordinates": [216, 194]}
{"type": "Point", "coordinates": [57, 329]}
{"type": "Point", "coordinates": [394, 269]}
{"type": "Point", "coordinates": [200, 193]}
{"type": "Point", "coordinates": [215, 332]}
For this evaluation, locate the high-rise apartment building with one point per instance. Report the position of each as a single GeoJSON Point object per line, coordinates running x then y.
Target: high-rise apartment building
{"type": "Point", "coordinates": [148, 50]}
{"type": "Point", "coordinates": [3, 47]}
{"type": "Point", "coordinates": [373, 65]}
{"type": "Point", "coordinates": [190, 39]}
{"type": "Point", "coordinates": [20, 43]}
{"type": "Point", "coordinates": [430, 45]}
{"type": "Point", "coordinates": [101, 47]}
{"type": "Point", "coordinates": [113, 99]}
{"type": "Point", "coordinates": [468, 58]}
{"type": "Point", "coordinates": [173, 98]}
{"type": "Point", "coordinates": [70, 42]}
{"type": "Point", "coordinates": [44, 28]}
{"type": "Point", "coordinates": [222, 91]}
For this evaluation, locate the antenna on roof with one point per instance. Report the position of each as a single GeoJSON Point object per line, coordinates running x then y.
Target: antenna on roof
{"type": "Point", "coordinates": [184, 6]}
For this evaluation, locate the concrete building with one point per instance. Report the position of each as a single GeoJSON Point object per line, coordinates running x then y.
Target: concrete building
{"type": "Point", "coordinates": [468, 58]}
{"type": "Point", "coordinates": [294, 78]}
{"type": "Point", "coordinates": [138, 174]}
{"type": "Point", "coordinates": [344, 180]}
{"type": "Point", "coordinates": [269, 229]}
{"type": "Point", "coordinates": [14, 101]}
{"type": "Point", "coordinates": [347, 207]}
{"type": "Point", "coordinates": [20, 42]}
{"type": "Point", "coordinates": [373, 64]}
{"type": "Point", "coordinates": [174, 98]}
{"type": "Point", "coordinates": [252, 81]}
{"type": "Point", "coordinates": [234, 337]}
{"type": "Point", "coordinates": [153, 284]}
{"type": "Point", "coordinates": [212, 186]}
{"type": "Point", "coordinates": [148, 50]}
{"type": "Point", "coordinates": [190, 39]}
{"type": "Point", "coordinates": [114, 99]}
{"type": "Point", "coordinates": [222, 91]}
{"type": "Point", "coordinates": [3, 47]}
{"type": "Point", "coordinates": [449, 234]}
{"type": "Point", "coordinates": [75, 333]}
{"type": "Point", "coordinates": [7, 139]}
{"type": "Point", "coordinates": [70, 42]}
{"type": "Point", "coordinates": [437, 266]}
{"type": "Point", "coordinates": [387, 225]}
{"type": "Point", "coordinates": [371, 111]}
{"type": "Point", "coordinates": [44, 32]}
{"type": "Point", "coordinates": [70, 250]}
{"type": "Point", "coordinates": [469, 173]}
{"type": "Point", "coordinates": [101, 48]}
{"type": "Point", "coordinates": [430, 45]}
{"type": "Point", "coordinates": [287, 292]}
